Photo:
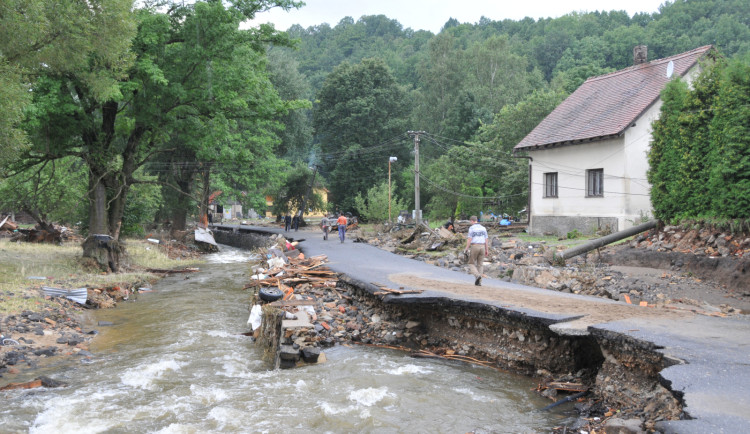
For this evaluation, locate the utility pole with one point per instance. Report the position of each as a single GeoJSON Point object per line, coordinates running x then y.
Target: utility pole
{"type": "Point", "coordinates": [390, 160]}
{"type": "Point", "coordinates": [417, 210]}
{"type": "Point", "coordinates": [309, 188]}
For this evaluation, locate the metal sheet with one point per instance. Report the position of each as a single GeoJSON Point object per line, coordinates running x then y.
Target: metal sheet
{"type": "Point", "coordinates": [204, 236]}
{"type": "Point", "coordinates": [78, 295]}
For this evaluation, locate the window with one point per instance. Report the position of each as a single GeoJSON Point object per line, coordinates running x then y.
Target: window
{"type": "Point", "coordinates": [550, 184]}
{"type": "Point", "coordinates": [595, 183]}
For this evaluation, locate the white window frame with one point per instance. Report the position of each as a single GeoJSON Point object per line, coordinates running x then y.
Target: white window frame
{"type": "Point", "coordinates": [550, 184]}
{"type": "Point", "coordinates": [595, 183]}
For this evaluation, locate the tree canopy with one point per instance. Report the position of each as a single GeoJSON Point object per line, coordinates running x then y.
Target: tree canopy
{"type": "Point", "coordinates": [176, 100]}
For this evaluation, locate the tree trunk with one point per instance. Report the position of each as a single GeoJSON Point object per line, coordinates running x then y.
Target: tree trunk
{"type": "Point", "coordinates": [105, 220]}
{"type": "Point", "coordinates": [183, 202]}
{"type": "Point", "coordinates": [98, 222]}
{"type": "Point", "coordinates": [105, 250]}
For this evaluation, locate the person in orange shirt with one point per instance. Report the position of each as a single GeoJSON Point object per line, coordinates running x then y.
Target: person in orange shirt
{"type": "Point", "coordinates": [342, 227]}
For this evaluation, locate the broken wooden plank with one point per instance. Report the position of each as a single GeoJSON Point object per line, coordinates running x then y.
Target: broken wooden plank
{"type": "Point", "coordinates": [566, 386]}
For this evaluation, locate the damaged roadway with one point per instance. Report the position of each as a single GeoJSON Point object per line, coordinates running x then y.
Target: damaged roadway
{"type": "Point", "coordinates": [709, 357]}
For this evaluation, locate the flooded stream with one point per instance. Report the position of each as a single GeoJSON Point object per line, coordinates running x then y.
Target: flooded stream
{"type": "Point", "coordinates": [174, 362]}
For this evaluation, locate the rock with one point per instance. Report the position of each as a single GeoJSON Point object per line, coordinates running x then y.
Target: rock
{"type": "Point", "coordinates": [310, 354]}
{"type": "Point", "coordinates": [549, 393]}
{"type": "Point", "coordinates": [47, 352]}
{"type": "Point", "coordinates": [49, 382]}
{"type": "Point", "coordinates": [623, 426]}
{"type": "Point", "coordinates": [412, 324]}
{"type": "Point", "coordinates": [288, 352]}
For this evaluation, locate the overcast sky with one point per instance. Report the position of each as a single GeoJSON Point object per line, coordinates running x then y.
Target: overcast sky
{"type": "Point", "coordinates": [432, 14]}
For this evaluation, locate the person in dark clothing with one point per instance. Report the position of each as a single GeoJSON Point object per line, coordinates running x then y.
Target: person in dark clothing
{"type": "Point", "coordinates": [295, 222]}
{"type": "Point", "coordinates": [287, 222]}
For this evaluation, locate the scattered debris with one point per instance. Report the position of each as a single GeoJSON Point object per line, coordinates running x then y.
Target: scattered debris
{"type": "Point", "coordinates": [79, 295]}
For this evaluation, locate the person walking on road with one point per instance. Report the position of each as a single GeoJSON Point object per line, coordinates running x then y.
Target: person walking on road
{"type": "Point", "coordinates": [295, 222]}
{"type": "Point", "coordinates": [477, 248]}
{"type": "Point", "coordinates": [342, 227]}
{"type": "Point", "coordinates": [287, 222]}
{"type": "Point", "coordinates": [324, 226]}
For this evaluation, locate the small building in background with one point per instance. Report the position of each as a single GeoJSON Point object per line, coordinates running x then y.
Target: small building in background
{"type": "Point", "coordinates": [589, 157]}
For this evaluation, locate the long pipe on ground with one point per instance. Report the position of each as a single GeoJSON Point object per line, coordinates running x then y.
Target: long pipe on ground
{"type": "Point", "coordinates": [603, 241]}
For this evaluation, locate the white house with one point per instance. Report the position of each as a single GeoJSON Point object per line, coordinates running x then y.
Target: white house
{"type": "Point", "coordinates": [588, 158]}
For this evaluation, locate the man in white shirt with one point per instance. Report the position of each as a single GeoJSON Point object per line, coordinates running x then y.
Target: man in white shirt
{"type": "Point", "coordinates": [477, 248]}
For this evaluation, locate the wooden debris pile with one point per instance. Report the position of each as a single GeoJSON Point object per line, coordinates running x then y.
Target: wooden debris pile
{"type": "Point", "coordinates": [307, 273]}
{"type": "Point", "coordinates": [48, 233]}
{"type": "Point", "coordinates": [289, 328]}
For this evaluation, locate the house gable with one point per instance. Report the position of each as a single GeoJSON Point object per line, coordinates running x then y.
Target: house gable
{"type": "Point", "coordinates": [604, 106]}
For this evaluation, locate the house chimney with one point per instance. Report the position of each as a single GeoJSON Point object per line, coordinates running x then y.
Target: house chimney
{"type": "Point", "coordinates": [640, 54]}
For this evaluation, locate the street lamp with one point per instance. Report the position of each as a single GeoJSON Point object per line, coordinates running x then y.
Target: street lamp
{"type": "Point", "coordinates": [390, 160]}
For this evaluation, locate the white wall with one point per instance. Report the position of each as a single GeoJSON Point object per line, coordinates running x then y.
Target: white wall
{"type": "Point", "coordinates": [624, 163]}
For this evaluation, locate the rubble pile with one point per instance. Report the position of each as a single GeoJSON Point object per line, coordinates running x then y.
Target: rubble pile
{"type": "Point", "coordinates": [329, 313]}
{"type": "Point", "coordinates": [53, 234]}
{"type": "Point", "coordinates": [31, 336]}
{"type": "Point", "coordinates": [705, 241]}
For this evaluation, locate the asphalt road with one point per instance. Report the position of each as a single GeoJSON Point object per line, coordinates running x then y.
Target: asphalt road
{"type": "Point", "coordinates": [714, 373]}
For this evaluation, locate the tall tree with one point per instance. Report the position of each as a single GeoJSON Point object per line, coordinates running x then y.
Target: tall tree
{"type": "Point", "coordinates": [71, 37]}
{"type": "Point", "coordinates": [296, 138]}
{"type": "Point", "coordinates": [442, 81]}
{"type": "Point", "coordinates": [360, 109]}
{"type": "Point", "coordinates": [185, 71]}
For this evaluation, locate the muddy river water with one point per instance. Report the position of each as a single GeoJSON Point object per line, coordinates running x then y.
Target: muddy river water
{"type": "Point", "coordinates": [174, 361]}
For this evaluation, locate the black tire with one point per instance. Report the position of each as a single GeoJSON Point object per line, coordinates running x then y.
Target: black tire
{"type": "Point", "coordinates": [270, 294]}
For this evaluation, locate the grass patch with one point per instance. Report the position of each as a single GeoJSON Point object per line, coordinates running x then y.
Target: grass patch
{"type": "Point", "coordinates": [61, 266]}
{"type": "Point", "coordinates": [142, 254]}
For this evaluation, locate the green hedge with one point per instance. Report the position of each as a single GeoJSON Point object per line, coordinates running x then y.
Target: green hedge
{"type": "Point", "coordinates": [700, 153]}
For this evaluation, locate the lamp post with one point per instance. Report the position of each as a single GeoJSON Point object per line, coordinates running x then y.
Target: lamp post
{"type": "Point", "coordinates": [390, 160]}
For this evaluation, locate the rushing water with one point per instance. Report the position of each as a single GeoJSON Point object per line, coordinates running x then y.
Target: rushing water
{"type": "Point", "coordinates": [175, 362]}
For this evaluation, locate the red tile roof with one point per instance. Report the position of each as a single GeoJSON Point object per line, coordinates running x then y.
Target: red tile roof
{"type": "Point", "coordinates": [604, 106]}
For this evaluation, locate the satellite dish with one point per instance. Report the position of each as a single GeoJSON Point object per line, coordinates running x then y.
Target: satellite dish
{"type": "Point", "coordinates": [670, 69]}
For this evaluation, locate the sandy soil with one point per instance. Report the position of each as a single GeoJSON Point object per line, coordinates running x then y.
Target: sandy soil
{"type": "Point", "coordinates": [592, 311]}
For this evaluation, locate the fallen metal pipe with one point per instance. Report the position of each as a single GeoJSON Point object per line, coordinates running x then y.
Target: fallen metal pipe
{"type": "Point", "coordinates": [564, 400]}
{"type": "Point", "coordinates": [603, 241]}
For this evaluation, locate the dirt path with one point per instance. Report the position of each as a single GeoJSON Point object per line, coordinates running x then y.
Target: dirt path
{"type": "Point", "coordinates": [592, 311]}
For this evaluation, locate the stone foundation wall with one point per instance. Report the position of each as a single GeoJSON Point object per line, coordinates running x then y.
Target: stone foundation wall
{"type": "Point", "coordinates": [240, 239]}
{"type": "Point", "coordinates": [561, 225]}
